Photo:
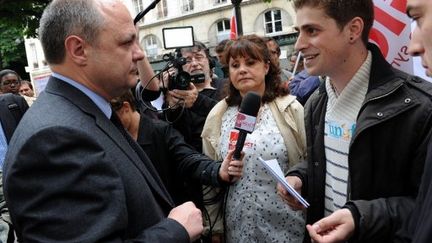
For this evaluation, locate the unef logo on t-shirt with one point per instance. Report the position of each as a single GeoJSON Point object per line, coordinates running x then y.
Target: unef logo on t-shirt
{"type": "Point", "coordinates": [340, 130]}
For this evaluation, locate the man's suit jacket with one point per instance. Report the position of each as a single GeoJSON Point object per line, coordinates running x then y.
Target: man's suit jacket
{"type": "Point", "coordinates": [12, 107]}
{"type": "Point", "coordinates": [72, 176]}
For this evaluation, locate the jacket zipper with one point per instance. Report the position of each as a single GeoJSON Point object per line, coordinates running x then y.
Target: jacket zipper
{"type": "Point", "coordinates": [371, 99]}
{"type": "Point", "coordinates": [386, 94]}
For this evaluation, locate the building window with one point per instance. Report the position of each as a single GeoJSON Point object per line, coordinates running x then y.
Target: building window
{"type": "Point", "coordinates": [187, 5]}
{"type": "Point", "coordinates": [220, 1]}
{"type": "Point", "coordinates": [35, 55]}
{"type": "Point", "coordinates": [273, 21]}
{"type": "Point", "coordinates": [138, 5]}
{"type": "Point", "coordinates": [162, 9]}
{"type": "Point", "coordinates": [223, 30]}
{"type": "Point", "coordinates": [151, 46]}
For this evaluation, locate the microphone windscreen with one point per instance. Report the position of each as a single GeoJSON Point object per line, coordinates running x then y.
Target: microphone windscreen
{"type": "Point", "coordinates": [250, 104]}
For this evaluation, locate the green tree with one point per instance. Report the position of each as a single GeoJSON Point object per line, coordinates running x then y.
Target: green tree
{"type": "Point", "coordinates": [11, 45]}
{"type": "Point", "coordinates": [17, 19]}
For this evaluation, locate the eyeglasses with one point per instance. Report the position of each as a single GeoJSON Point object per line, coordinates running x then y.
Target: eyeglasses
{"type": "Point", "coordinates": [10, 82]}
{"type": "Point", "coordinates": [197, 58]}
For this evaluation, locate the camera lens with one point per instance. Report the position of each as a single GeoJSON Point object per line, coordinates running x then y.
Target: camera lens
{"type": "Point", "coordinates": [182, 80]}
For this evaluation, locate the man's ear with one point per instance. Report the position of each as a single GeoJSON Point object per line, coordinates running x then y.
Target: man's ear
{"type": "Point", "coordinates": [355, 28]}
{"type": "Point", "coordinates": [76, 49]}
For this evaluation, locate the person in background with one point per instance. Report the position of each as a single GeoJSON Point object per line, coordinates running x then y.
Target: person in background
{"type": "Point", "coordinates": [220, 50]}
{"type": "Point", "coordinates": [146, 81]}
{"type": "Point", "coordinates": [275, 53]}
{"type": "Point", "coordinates": [197, 100]}
{"type": "Point", "coordinates": [72, 173]}
{"type": "Point", "coordinates": [12, 108]}
{"type": "Point", "coordinates": [420, 12]}
{"type": "Point", "coordinates": [10, 81]}
{"type": "Point", "coordinates": [302, 85]}
{"type": "Point", "coordinates": [253, 211]}
{"type": "Point", "coordinates": [420, 225]}
{"type": "Point", "coordinates": [182, 169]}
{"type": "Point", "coordinates": [26, 88]}
{"type": "Point", "coordinates": [367, 127]}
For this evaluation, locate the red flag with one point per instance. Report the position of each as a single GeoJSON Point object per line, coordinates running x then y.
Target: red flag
{"type": "Point", "coordinates": [233, 26]}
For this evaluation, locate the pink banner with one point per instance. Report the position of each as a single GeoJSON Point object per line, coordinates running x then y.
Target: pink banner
{"type": "Point", "coordinates": [392, 32]}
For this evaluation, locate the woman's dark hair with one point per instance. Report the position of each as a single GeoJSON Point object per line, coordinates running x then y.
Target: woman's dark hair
{"type": "Point", "coordinates": [5, 72]}
{"type": "Point", "coordinates": [117, 103]}
{"type": "Point", "coordinates": [220, 47]}
{"type": "Point", "coordinates": [255, 47]}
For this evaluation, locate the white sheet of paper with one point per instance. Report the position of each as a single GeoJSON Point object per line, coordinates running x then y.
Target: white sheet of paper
{"type": "Point", "coordinates": [274, 168]}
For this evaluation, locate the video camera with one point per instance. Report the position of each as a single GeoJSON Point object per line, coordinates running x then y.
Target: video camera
{"type": "Point", "coordinates": [177, 38]}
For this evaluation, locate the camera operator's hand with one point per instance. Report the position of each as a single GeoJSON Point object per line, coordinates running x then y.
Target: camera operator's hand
{"type": "Point", "coordinates": [172, 100]}
{"type": "Point", "coordinates": [188, 96]}
{"type": "Point", "coordinates": [166, 75]}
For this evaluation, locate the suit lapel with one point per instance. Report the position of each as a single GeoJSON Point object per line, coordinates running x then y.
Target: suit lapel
{"type": "Point", "coordinates": [140, 161]}
{"type": "Point", "coordinates": [139, 158]}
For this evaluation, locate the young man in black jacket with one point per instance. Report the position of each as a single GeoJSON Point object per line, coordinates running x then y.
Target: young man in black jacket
{"type": "Point", "coordinates": [367, 128]}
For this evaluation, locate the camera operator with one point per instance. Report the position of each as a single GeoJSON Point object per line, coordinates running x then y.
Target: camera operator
{"type": "Point", "coordinates": [198, 99]}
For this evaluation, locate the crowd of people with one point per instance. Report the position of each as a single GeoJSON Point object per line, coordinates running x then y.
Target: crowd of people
{"type": "Point", "coordinates": [90, 159]}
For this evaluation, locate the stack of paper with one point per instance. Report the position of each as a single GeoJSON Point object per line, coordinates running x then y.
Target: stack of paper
{"type": "Point", "coordinates": [273, 166]}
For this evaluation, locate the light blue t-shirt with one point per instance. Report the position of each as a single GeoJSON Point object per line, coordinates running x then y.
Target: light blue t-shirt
{"type": "Point", "coordinates": [3, 146]}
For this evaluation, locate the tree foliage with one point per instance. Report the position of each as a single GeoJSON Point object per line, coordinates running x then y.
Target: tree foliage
{"type": "Point", "coordinates": [11, 45]}
{"type": "Point", "coordinates": [18, 19]}
{"type": "Point", "coordinates": [23, 14]}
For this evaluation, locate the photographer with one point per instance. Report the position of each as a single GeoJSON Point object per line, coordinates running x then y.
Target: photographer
{"type": "Point", "coordinates": [189, 107]}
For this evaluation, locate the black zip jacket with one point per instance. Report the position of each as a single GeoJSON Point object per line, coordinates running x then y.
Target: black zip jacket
{"type": "Point", "coordinates": [386, 154]}
{"type": "Point", "coordinates": [182, 169]}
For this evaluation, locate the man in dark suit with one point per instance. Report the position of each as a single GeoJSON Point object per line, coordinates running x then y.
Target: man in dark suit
{"type": "Point", "coordinates": [12, 108]}
{"type": "Point", "coordinates": [70, 173]}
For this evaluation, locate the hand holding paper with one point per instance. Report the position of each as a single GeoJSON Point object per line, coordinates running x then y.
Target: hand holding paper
{"type": "Point", "coordinates": [296, 184]}
{"type": "Point", "coordinates": [276, 171]}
